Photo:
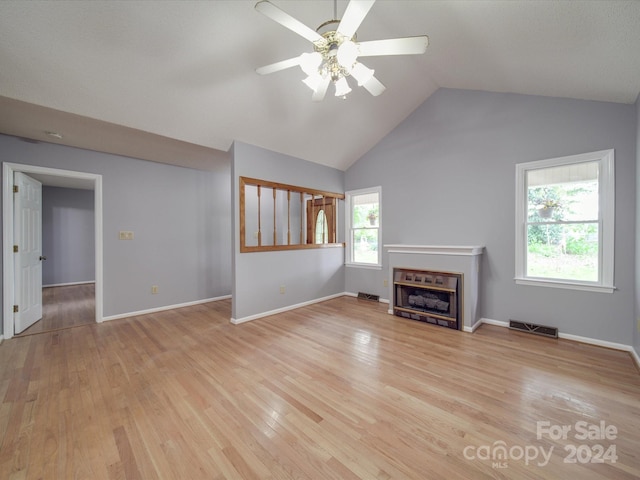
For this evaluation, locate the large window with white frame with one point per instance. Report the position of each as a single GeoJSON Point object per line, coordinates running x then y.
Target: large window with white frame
{"type": "Point", "coordinates": [363, 228]}
{"type": "Point", "coordinates": [565, 212]}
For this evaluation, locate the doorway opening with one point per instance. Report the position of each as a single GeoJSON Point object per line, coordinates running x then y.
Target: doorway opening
{"type": "Point", "coordinates": [48, 177]}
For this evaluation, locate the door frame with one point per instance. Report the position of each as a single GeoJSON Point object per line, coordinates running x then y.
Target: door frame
{"type": "Point", "coordinates": [8, 287]}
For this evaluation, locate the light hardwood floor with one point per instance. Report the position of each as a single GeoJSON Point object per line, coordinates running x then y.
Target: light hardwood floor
{"type": "Point", "coordinates": [338, 390]}
{"type": "Point", "coordinates": [65, 307]}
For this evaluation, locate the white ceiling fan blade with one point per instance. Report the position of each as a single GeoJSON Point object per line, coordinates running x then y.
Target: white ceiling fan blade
{"type": "Point", "coordinates": [394, 46]}
{"type": "Point", "coordinates": [374, 86]}
{"type": "Point", "coordinates": [353, 16]}
{"type": "Point", "coordinates": [286, 20]}
{"type": "Point", "coordinates": [281, 65]}
{"type": "Point", "coordinates": [321, 91]}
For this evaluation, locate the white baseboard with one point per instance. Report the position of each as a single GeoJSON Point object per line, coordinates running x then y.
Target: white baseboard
{"type": "Point", "coordinates": [574, 338]}
{"type": "Point", "coordinates": [237, 321]}
{"type": "Point", "coordinates": [636, 357]}
{"type": "Point", "coordinates": [603, 343]}
{"type": "Point", "coordinates": [488, 321]}
{"type": "Point", "coordinates": [162, 309]}
{"type": "Point", "coordinates": [68, 284]}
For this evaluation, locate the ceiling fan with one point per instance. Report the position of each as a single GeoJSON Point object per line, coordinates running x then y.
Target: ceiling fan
{"type": "Point", "coordinates": [336, 50]}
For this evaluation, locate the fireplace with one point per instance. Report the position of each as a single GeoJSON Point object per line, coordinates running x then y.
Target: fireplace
{"type": "Point", "coordinates": [463, 261]}
{"type": "Point", "coordinates": [428, 296]}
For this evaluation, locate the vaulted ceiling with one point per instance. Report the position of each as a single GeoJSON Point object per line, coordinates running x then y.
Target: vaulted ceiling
{"type": "Point", "coordinates": [175, 81]}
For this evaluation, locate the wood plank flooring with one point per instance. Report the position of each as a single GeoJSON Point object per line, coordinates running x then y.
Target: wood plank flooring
{"type": "Point", "coordinates": [65, 307]}
{"type": "Point", "coordinates": [338, 390]}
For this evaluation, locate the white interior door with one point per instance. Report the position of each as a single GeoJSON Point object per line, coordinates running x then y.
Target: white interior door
{"type": "Point", "coordinates": [27, 232]}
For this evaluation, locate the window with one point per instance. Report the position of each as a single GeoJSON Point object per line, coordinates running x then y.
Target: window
{"type": "Point", "coordinates": [565, 222]}
{"type": "Point", "coordinates": [322, 228]}
{"type": "Point", "coordinates": [363, 227]}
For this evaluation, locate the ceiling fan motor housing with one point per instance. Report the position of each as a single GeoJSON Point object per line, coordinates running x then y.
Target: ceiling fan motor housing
{"type": "Point", "coordinates": [332, 65]}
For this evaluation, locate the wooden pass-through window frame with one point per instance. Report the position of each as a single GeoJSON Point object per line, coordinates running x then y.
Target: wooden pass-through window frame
{"type": "Point", "coordinates": [275, 216]}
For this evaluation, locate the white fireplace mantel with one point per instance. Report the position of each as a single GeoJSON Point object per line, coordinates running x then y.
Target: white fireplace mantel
{"type": "Point", "coordinates": [465, 260]}
{"type": "Point", "coordinates": [435, 249]}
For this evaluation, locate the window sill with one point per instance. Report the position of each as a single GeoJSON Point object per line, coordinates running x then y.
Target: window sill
{"type": "Point", "coordinates": [565, 284]}
{"type": "Point", "coordinates": [369, 266]}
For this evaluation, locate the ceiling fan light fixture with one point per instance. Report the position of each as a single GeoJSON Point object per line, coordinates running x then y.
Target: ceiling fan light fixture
{"type": "Point", "coordinates": [310, 62]}
{"type": "Point", "coordinates": [337, 49]}
{"type": "Point", "coordinates": [347, 54]}
{"type": "Point", "coordinates": [342, 87]}
{"type": "Point", "coordinates": [361, 73]}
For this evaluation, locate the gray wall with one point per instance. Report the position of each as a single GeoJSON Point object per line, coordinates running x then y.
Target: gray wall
{"type": "Point", "coordinates": [306, 274]}
{"type": "Point", "coordinates": [180, 217]}
{"type": "Point", "coordinates": [448, 177]}
{"type": "Point", "coordinates": [68, 236]}
{"type": "Point", "coordinates": [636, 330]}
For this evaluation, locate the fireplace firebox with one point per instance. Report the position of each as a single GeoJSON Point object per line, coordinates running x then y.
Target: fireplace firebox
{"type": "Point", "coordinates": [428, 296]}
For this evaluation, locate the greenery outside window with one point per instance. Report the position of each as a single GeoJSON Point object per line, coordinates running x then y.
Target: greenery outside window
{"type": "Point", "coordinates": [363, 227]}
{"type": "Point", "coordinates": [565, 222]}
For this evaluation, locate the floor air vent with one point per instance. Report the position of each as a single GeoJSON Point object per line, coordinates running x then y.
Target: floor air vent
{"type": "Point", "coordinates": [533, 328]}
{"type": "Point", "coordinates": [369, 296]}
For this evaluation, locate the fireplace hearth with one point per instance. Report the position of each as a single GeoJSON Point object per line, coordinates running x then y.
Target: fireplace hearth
{"type": "Point", "coordinates": [428, 296]}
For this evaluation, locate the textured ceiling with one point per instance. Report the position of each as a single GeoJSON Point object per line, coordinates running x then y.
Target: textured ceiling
{"type": "Point", "coordinates": [142, 78]}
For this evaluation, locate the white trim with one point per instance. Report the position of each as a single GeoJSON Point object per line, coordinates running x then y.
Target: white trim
{"type": "Point", "coordinates": [497, 323]}
{"type": "Point", "coordinates": [8, 169]}
{"type": "Point", "coordinates": [567, 285]}
{"type": "Point", "coordinates": [574, 338]}
{"type": "Point", "coordinates": [606, 221]}
{"type": "Point", "coordinates": [475, 326]}
{"type": "Point", "coordinates": [436, 249]}
{"type": "Point", "coordinates": [595, 341]}
{"type": "Point", "coordinates": [237, 321]}
{"type": "Point", "coordinates": [636, 357]}
{"type": "Point", "coordinates": [162, 309]}
{"type": "Point", "coordinates": [369, 266]}
{"type": "Point", "coordinates": [348, 196]}
{"type": "Point", "coordinates": [68, 284]}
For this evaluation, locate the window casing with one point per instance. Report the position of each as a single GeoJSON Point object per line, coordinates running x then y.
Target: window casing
{"type": "Point", "coordinates": [565, 212]}
{"type": "Point", "coordinates": [364, 227]}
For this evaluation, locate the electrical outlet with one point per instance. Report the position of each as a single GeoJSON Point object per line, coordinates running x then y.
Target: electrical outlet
{"type": "Point", "coordinates": [282, 289]}
{"type": "Point", "coordinates": [386, 283]}
{"type": "Point", "coordinates": [154, 289]}
{"type": "Point", "coordinates": [125, 235]}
